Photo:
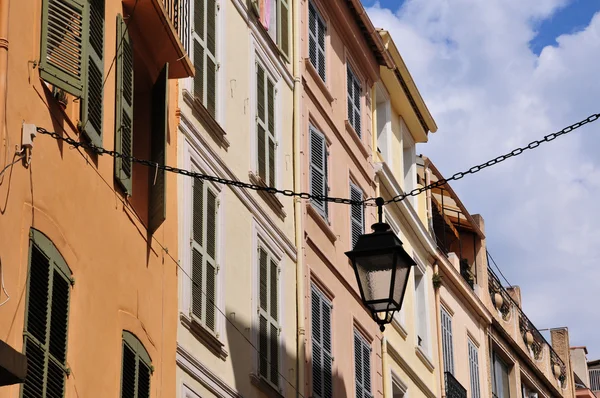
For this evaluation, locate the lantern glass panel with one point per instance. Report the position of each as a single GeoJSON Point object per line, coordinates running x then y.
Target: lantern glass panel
{"type": "Point", "coordinates": [375, 277]}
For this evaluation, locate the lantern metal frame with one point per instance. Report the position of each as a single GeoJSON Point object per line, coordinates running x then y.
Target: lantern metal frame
{"type": "Point", "coordinates": [382, 241]}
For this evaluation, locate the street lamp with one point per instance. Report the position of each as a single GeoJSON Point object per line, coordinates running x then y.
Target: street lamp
{"type": "Point", "coordinates": [382, 267]}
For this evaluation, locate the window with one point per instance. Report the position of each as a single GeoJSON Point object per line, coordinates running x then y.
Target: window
{"type": "Point", "coordinates": [46, 321]}
{"type": "Point", "coordinates": [136, 368]}
{"type": "Point", "coordinates": [399, 389]}
{"type": "Point", "coordinates": [500, 382]}
{"type": "Point", "coordinates": [357, 214]}
{"type": "Point", "coordinates": [265, 126]}
{"type": "Point", "coordinates": [322, 358]}
{"type": "Point", "coordinates": [151, 109]}
{"type": "Point", "coordinates": [421, 309]}
{"type": "Point", "coordinates": [268, 317]}
{"type": "Point", "coordinates": [204, 253]}
{"type": "Point", "coordinates": [318, 170]}
{"type": "Point", "coordinates": [354, 91]}
{"type": "Point", "coordinates": [275, 18]}
{"type": "Point", "coordinates": [316, 40]}
{"type": "Point", "coordinates": [447, 344]}
{"type": "Point", "coordinates": [474, 369]}
{"type": "Point", "coordinates": [71, 60]}
{"type": "Point", "coordinates": [409, 160]}
{"type": "Point", "coordinates": [205, 53]}
{"type": "Point", "coordinates": [362, 366]}
{"type": "Point", "coordinates": [384, 124]}
{"type": "Point", "coordinates": [528, 392]}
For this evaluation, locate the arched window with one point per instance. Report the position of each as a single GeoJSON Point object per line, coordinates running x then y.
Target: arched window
{"type": "Point", "coordinates": [136, 368]}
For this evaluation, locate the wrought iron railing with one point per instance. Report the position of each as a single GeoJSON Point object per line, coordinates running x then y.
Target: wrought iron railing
{"type": "Point", "coordinates": [453, 388]}
{"type": "Point", "coordinates": [178, 12]}
{"type": "Point", "coordinates": [495, 287]}
{"type": "Point", "coordinates": [525, 325]}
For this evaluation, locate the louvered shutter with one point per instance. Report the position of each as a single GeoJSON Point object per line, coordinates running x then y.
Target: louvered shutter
{"type": "Point", "coordinates": [211, 255]}
{"type": "Point", "coordinates": [211, 61]}
{"type": "Point", "coordinates": [354, 106]}
{"type": "Point", "coordinates": [284, 27]}
{"type": "Point", "coordinates": [124, 106]}
{"type": "Point", "coordinates": [316, 40]}
{"type": "Point", "coordinates": [268, 317]}
{"type": "Point", "coordinates": [270, 132]}
{"type": "Point", "coordinates": [197, 239]}
{"type": "Point", "coordinates": [205, 50]}
{"type": "Point", "coordinates": [63, 44]}
{"type": "Point", "coordinates": [318, 170]}
{"type": "Point", "coordinates": [474, 369]}
{"type": "Point", "coordinates": [157, 209]}
{"type": "Point", "coordinates": [356, 214]}
{"type": "Point", "coordinates": [261, 121]}
{"type": "Point", "coordinates": [135, 368]}
{"type": "Point", "coordinates": [447, 344]}
{"type": "Point", "coordinates": [46, 321]}
{"type": "Point", "coordinates": [322, 361]}
{"type": "Point", "coordinates": [92, 101]}
{"type": "Point", "coordinates": [362, 366]}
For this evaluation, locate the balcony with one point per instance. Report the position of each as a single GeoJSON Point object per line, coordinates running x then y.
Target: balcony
{"type": "Point", "coordinates": [453, 388]}
{"type": "Point", "coordinates": [162, 26]}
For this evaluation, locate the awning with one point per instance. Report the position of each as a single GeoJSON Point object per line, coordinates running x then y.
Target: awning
{"type": "Point", "coordinates": [13, 365]}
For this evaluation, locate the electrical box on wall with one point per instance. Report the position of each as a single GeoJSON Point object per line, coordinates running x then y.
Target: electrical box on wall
{"type": "Point", "coordinates": [29, 133]}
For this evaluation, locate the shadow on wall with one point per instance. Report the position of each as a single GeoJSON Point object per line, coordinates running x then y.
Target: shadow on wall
{"type": "Point", "coordinates": [254, 373]}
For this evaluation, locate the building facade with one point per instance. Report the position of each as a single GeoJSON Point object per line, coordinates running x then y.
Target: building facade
{"type": "Point", "coordinates": [88, 241]}
{"type": "Point", "coordinates": [401, 121]}
{"type": "Point", "coordinates": [340, 58]}
{"type": "Point", "coordinates": [236, 327]}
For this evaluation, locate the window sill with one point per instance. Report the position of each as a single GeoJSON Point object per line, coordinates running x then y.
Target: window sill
{"type": "Point", "coordinates": [270, 198]}
{"type": "Point", "coordinates": [264, 386]}
{"type": "Point", "coordinates": [208, 121]}
{"type": "Point", "coordinates": [205, 336]}
{"type": "Point", "coordinates": [315, 75]}
{"type": "Point", "coordinates": [356, 138]}
{"type": "Point", "coordinates": [400, 328]}
{"type": "Point", "coordinates": [424, 358]}
{"type": "Point", "coordinates": [324, 224]}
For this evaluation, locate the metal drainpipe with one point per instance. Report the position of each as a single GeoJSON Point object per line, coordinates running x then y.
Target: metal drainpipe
{"type": "Point", "coordinates": [439, 333]}
{"type": "Point", "coordinates": [4, 10]}
{"type": "Point", "coordinates": [385, 367]}
{"type": "Point", "coordinates": [298, 218]}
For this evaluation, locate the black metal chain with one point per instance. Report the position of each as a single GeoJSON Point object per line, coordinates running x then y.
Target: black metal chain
{"type": "Point", "coordinates": [322, 198]}
{"type": "Point", "coordinates": [499, 159]}
{"type": "Point", "coordinates": [236, 183]}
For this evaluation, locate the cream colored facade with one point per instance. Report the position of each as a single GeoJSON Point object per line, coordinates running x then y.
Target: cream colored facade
{"type": "Point", "coordinates": [409, 346]}
{"type": "Point", "coordinates": [221, 359]}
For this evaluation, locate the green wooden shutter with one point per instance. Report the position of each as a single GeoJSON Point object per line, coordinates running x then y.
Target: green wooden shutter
{"type": "Point", "coordinates": [124, 106]}
{"type": "Point", "coordinates": [318, 170]}
{"type": "Point", "coordinates": [211, 255]}
{"type": "Point", "coordinates": [63, 44]}
{"type": "Point", "coordinates": [92, 101]}
{"type": "Point", "coordinates": [261, 121]}
{"type": "Point", "coordinates": [135, 368]}
{"type": "Point", "coordinates": [357, 221]}
{"type": "Point", "coordinates": [46, 320]}
{"type": "Point", "coordinates": [157, 209]}
{"type": "Point", "coordinates": [283, 24]}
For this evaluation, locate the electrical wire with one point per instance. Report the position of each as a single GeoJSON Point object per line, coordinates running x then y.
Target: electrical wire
{"type": "Point", "coordinates": [498, 268]}
{"type": "Point", "coordinates": [2, 284]}
{"type": "Point", "coordinates": [11, 164]}
{"type": "Point", "coordinates": [323, 198]}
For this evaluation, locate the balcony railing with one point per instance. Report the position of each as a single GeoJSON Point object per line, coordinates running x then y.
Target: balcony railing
{"type": "Point", "coordinates": [453, 388]}
{"type": "Point", "coordinates": [595, 379]}
{"type": "Point", "coordinates": [178, 12]}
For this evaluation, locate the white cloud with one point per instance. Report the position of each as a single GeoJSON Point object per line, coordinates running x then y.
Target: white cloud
{"type": "Point", "coordinates": [490, 93]}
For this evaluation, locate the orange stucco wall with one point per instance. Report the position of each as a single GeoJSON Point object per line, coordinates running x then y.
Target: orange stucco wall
{"type": "Point", "coordinates": [124, 278]}
{"type": "Point", "coordinates": [349, 159]}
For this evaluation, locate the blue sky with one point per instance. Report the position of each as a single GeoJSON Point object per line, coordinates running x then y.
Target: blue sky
{"type": "Point", "coordinates": [497, 74]}
{"type": "Point", "coordinates": [570, 18]}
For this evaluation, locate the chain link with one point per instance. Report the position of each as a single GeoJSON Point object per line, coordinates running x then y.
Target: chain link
{"type": "Point", "coordinates": [320, 198]}
{"type": "Point", "coordinates": [499, 159]}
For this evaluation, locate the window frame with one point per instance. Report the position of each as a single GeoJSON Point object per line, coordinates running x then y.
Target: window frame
{"type": "Point", "coordinates": [353, 220]}
{"type": "Point", "coordinates": [364, 344]}
{"type": "Point", "coordinates": [264, 124]}
{"type": "Point", "coordinates": [444, 313]}
{"type": "Point", "coordinates": [320, 24]}
{"type": "Point", "coordinates": [474, 376]}
{"type": "Point", "coordinates": [323, 300]}
{"type": "Point", "coordinates": [261, 240]}
{"type": "Point", "coordinates": [351, 98]}
{"type": "Point", "coordinates": [494, 359]}
{"type": "Point", "coordinates": [324, 211]}
{"type": "Point", "coordinates": [196, 39]}
{"type": "Point", "coordinates": [56, 266]}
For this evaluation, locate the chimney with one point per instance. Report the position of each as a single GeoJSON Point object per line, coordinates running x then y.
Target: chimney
{"type": "Point", "coordinates": [579, 362]}
{"type": "Point", "coordinates": [515, 293]}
